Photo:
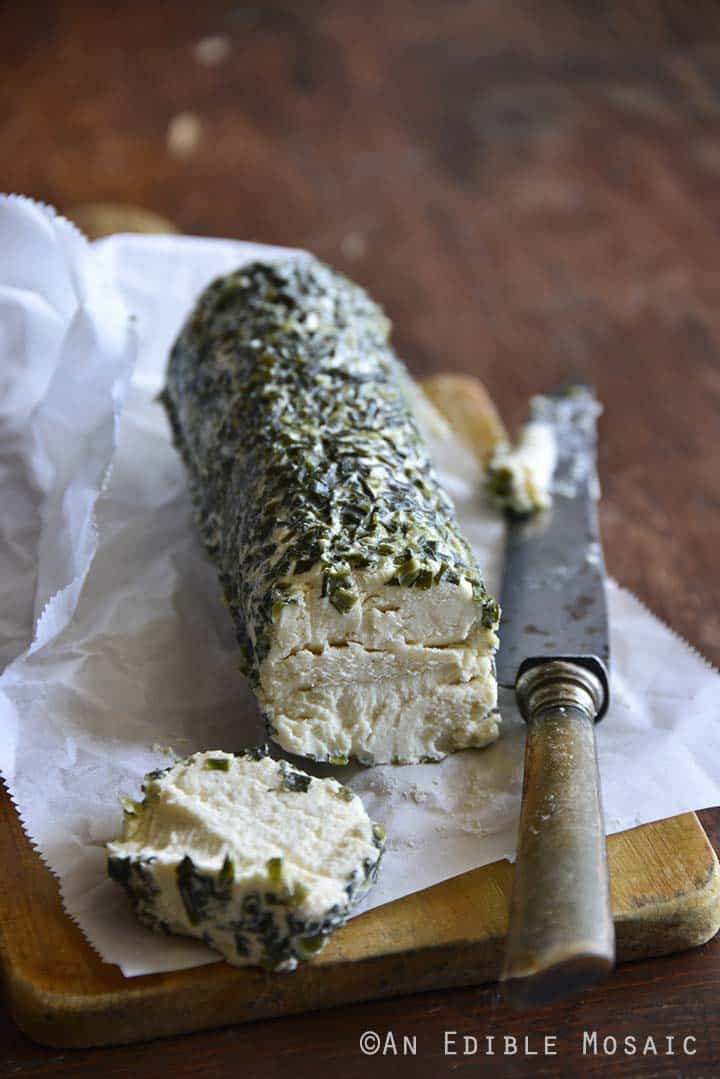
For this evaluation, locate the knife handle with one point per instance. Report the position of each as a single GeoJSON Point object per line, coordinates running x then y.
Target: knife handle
{"type": "Point", "coordinates": [561, 936]}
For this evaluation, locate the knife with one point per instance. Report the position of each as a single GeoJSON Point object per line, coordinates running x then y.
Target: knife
{"type": "Point", "coordinates": [554, 654]}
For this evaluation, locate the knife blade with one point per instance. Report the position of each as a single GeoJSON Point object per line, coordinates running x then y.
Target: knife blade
{"type": "Point", "coordinates": [554, 653]}
{"type": "Point", "coordinates": [553, 595]}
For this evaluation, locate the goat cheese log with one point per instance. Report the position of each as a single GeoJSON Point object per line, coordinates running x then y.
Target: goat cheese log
{"type": "Point", "coordinates": [362, 618]}
{"type": "Point", "coordinates": [251, 855]}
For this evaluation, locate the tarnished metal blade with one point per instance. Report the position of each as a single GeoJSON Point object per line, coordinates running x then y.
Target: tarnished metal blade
{"type": "Point", "coordinates": [553, 597]}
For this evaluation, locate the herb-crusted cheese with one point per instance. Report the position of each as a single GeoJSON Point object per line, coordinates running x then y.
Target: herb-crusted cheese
{"type": "Point", "coordinates": [363, 621]}
{"type": "Point", "coordinates": [251, 855]}
{"type": "Point", "coordinates": [519, 478]}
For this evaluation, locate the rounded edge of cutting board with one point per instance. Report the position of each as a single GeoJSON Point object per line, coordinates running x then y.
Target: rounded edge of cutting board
{"type": "Point", "coordinates": [99, 219]}
{"type": "Point", "coordinates": [672, 920]}
{"type": "Point", "coordinates": [666, 884]}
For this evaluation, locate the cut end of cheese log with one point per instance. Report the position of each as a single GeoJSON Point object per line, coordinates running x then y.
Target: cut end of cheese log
{"type": "Point", "coordinates": [363, 621]}
{"type": "Point", "coordinates": [405, 675]}
{"type": "Point", "coordinates": [254, 857]}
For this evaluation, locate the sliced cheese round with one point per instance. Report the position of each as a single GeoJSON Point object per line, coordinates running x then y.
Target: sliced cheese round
{"type": "Point", "coordinates": [256, 858]}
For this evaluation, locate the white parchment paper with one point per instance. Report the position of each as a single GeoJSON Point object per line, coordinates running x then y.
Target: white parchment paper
{"type": "Point", "coordinates": [116, 642]}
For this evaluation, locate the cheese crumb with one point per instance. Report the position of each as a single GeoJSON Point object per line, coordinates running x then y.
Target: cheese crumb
{"type": "Point", "coordinates": [519, 478]}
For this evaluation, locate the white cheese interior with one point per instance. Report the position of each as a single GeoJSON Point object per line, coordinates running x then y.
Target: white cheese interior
{"type": "Point", "coordinates": [405, 675]}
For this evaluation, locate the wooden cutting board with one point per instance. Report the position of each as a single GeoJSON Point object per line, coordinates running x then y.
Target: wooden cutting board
{"type": "Point", "coordinates": [666, 897]}
{"type": "Point", "coordinates": [665, 883]}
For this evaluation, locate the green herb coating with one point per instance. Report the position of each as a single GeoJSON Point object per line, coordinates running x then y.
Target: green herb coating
{"type": "Point", "coordinates": [217, 764]}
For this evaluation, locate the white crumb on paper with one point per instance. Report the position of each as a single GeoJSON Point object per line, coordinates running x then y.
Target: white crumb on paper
{"type": "Point", "coordinates": [416, 795]}
{"type": "Point", "coordinates": [135, 653]}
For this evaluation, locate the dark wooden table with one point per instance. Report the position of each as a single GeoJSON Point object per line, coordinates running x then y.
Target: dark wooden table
{"type": "Point", "coordinates": [530, 189]}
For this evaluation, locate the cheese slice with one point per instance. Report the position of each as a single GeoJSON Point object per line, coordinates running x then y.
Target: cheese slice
{"type": "Point", "coordinates": [256, 858]}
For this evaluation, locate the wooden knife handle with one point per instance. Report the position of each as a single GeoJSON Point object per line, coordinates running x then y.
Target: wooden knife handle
{"type": "Point", "coordinates": [561, 936]}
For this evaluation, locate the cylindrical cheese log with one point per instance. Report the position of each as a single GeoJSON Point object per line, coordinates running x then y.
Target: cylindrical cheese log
{"type": "Point", "coordinates": [361, 614]}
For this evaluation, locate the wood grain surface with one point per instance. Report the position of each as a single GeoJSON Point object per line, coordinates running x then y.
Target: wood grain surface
{"type": "Point", "coordinates": [530, 190]}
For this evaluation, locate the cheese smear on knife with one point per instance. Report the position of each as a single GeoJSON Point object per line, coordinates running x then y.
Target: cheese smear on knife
{"type": "Point", "coordinates": [362, 617]}
{"type": "Point", "coordinates": [519, 477]}
{"type": "Point", "coordinates": [256, 858]}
